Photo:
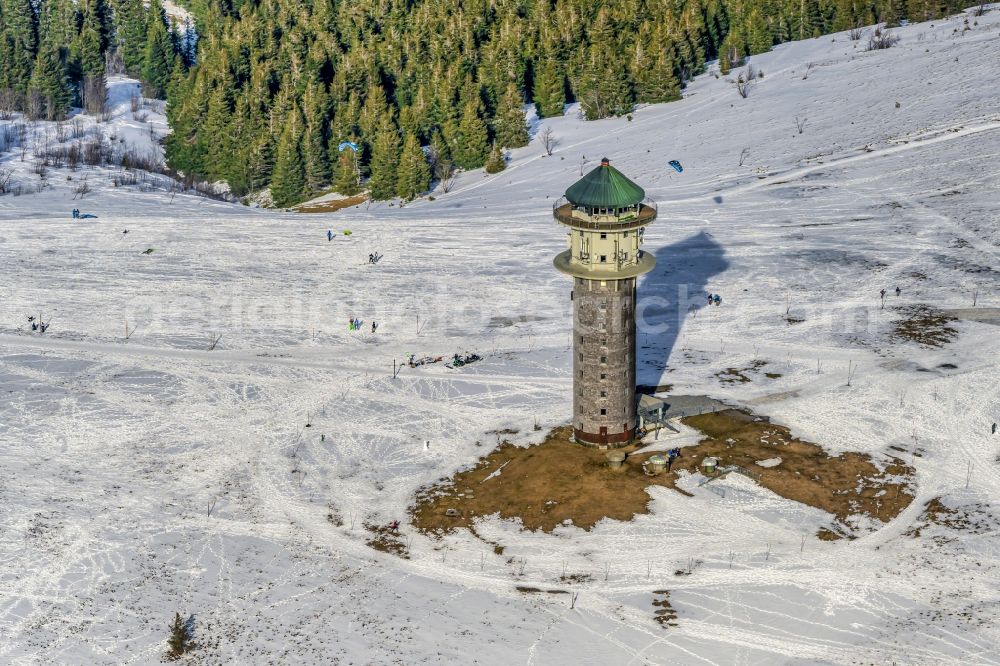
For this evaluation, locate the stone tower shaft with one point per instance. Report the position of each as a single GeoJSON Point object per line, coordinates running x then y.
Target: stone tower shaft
{"type": "Point", "coordinates": [606, 214]}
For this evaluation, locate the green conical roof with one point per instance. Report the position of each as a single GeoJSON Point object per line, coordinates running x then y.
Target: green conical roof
{"type": "Point", "coordinates": [605, 187]}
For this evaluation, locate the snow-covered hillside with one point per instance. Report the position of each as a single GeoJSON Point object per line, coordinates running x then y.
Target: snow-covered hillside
{"type": "Point", "coordinates": [149, 476]}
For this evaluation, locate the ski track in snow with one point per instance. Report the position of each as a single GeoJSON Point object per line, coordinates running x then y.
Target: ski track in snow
{"type": "Point", "coordinates": [114, 451]}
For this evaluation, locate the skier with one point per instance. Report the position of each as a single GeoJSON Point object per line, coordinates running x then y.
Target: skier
{"type": "Point", "coordinates": [34, 326]}
{"type": "Point", "coordinates": [394, 525]}
{"type": "Point", "coordinates": [329, 235]}
{"type": "Point", "coordinates": [371, 258]}
{"type": "Point", "coordinates": [898, 290]}
{"type": "Point", "coordinates": [124, 232]}
{"type": "Point", "coordinates": [710, 299]}
{"type": "Point", "coordinates": [350, 324]}
{"type": "Point", "coordinates": [994, 429]}
{"type": "Point", "coordinates": [882, 293]}
{"type": "Point", "coordinates": [717, 299]}
{"type": "Point", "coordinates": [42, 327]}
{"type": "Point", "coordinates": [76, 213]}
{"type": "Point", "coordinates": [374, 326]}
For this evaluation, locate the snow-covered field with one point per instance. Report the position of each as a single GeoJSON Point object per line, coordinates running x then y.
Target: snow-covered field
{"type": "Point", "coordinates": [292, 433]}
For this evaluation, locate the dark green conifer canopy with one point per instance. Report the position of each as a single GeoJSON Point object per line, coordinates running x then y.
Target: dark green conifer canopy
{"type": "Point", "coordinates": [605, 187]}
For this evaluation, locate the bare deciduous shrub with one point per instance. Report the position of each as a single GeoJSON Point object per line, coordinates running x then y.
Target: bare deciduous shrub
{"type": "Point", "coordinates": [856, 32]}
{"type": "Point", "coordinates": [6, 180]}
{"type": "Point", "coordinates": [548, 138]}
{"type": "Point", "coordinates": [445, 174]}
{"type": "Point", "coordinates": [800, 124]}
{"type": "Point", "coordinates": [82, 189]}
{"type": "Point", "coordinates": [9, 100]}
{"type": "Point", "coordinates": [745, 80]}
{"type": "Point", "coordinates": [881, 38]}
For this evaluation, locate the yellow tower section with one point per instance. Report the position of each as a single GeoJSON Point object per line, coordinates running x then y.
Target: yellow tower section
{"type": "Point", "coordinates": [606, 214]}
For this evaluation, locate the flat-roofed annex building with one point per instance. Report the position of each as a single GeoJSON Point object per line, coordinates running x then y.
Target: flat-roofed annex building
{"type": "Point", "coordinates": [606, 214]}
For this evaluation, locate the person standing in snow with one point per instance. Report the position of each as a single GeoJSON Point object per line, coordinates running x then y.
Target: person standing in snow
{"type": "Point", "coordinates": [329, 235]}
{"type": "Point", "coordinates": [374, 326]}
{"type": "Point", "coordinates": [717, 299]}
{"type": "Point", "coordinates": [898, 290]}
{"type": "Point", "coordinates": [710, 299]}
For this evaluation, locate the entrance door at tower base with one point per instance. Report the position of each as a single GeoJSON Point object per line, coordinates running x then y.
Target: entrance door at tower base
{"type": "Point", "coordinates": [615, 440]}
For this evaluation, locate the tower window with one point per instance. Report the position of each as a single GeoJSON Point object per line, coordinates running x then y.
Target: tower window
{"type": "Point", "coordinates": [603, 376]}
{"type": "Point", "coordinates": [604, 394]}
{"type": "Point", "coordinates": [604, 359]}
{"type": "Point", "coordinates": [604, 258]}
{"type": "Point", "coordinates": [604, 236]}
{"type": "Point", "coordinates": [604, 412]}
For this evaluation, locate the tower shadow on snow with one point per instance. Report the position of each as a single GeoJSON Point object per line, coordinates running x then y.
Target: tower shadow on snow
{"type": "Point", "coordinates": [673, 291]}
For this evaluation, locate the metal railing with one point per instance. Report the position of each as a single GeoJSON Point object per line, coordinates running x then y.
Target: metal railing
{"type": "Point", "coordinates": [643, 213]}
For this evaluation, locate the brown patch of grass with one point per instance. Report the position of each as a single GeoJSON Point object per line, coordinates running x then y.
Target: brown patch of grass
{"type": "Point", "coordinates": [974, 518]}
{"type": "Point", "coordinates": [924, 325]}
{"type": "Point", "coordinates": [665, 613]}
{"type": "Point", "coordinates": [843, 485]}
{"type": "Point", "coordinates": [387, 540]}
{"type": "Point", "coordinates": [331, 206]}
{"type": "Point", "coordinates": [541, 485]}
{"type": "Point", "coordinates": [545, 485]}
{"type": "Point", "coordinates": [732, 376]}
{"type": "Point", "coordinates": [738, 375]}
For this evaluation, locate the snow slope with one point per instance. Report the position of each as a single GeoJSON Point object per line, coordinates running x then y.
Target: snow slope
{"type": "Point", "coordinates": [296, 434]}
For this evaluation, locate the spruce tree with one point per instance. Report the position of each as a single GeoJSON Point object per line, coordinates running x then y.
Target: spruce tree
{"type": "Point", "coordinates": [317, 162]}
{"type": "Point", "coordinates": [18, 44]}
{"type": "Point", "coordinates": [495, 163]}
{"type": "Point", "coordinates": [131, 29]}
{"type": "Point", "coordinates": [288, 179]}
{"type": "Point", "coordinates": [48, 91]}
{"type": "Point", "coordinates": [88, 48]}
{"type": "Point", "coordinates": [180, 639]}
{"type": "Point", "coordinates": [346, 176]}
{"type": "Point", "coordinates": [758, 36]}
{"type": "Point", "coordinates": [550, 89]}
{"type": "Point", "coordinates": [511, 128]}
{"type": "Point", "coordinates": [158, 55]}
{"type": "Point", "coordinates": [414, 175]}
{"type": "Point", "coordinates": [385, 158]}
{"type": "Point", "coordinates": [471, 144]}
{"type": "Point", "coordinates": [221, 155]}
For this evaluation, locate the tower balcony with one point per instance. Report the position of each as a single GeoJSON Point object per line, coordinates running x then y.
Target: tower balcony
{"type": "Point", "coordinates": [604, 219]}
{"type": "Point", "coordinates": [589, 270]}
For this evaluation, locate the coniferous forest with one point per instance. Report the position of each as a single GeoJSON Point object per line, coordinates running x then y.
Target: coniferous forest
{"type": "Point", "coordinates": [305, 95]}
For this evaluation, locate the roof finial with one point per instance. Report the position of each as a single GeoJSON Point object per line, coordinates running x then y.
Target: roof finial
{"type": "Point", "coordinates": [605, 161]}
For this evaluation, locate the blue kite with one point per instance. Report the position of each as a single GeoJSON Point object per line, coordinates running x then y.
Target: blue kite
{"type": "Point", "coordinates": [348, 144]}
{"type": "Point", "coordinates": [676, 165]}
